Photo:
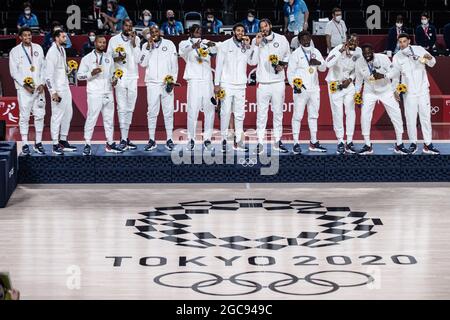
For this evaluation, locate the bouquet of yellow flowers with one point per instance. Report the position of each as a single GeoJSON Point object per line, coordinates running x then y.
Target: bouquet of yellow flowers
{"type": "Point", "coordinates": [118, 74]}
{"type": "Point", "coordinates": [29, 82]}
{"type": "Point", "coordinates": [169, 82]}
{"type": "Point", "coordinates": [401, 88]}
{"type": "Point", "coordinates": [298, 85]}
{"type": "Point", "coordinates": [73, 65]}
{"type": "Point", "coordinates": [334, 86]}
{"type": "Point", "coordinates": [202, 54]}
{"type": "Point", "coordinates": [358, 99]}
{"type": "Point", "coordinates": [221, 94]}
{"type": "Point", "coordinates": [274, 61]}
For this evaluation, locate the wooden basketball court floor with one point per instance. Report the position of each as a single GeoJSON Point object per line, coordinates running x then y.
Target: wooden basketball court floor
{"type": "Point", "coordinates": [240, 241]}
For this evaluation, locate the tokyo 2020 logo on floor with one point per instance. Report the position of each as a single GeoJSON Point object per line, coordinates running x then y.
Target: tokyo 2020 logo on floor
{"type": "Point", "coordinates": [260, 224]}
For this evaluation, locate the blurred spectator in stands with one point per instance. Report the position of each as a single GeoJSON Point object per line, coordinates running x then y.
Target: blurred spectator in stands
{"type": "Point", "coordinates": [114, 16]}
{"type": "Point", "coordinates": [447, 37]}
{"type": "Point", "coordinates": [212, 25]}
{"type": "Point", "coordinates": [171, 27]}
{"type": "Point", "coordinates": [11, 294]}
{"type": "Point", "coordinates": [296, 16]}
{"type": "Point", "coordinates": [89, 45]}
{"type": "Point", "coordinates": [426, 34]}
{"type": "Point", "coordinates": [48, 39]}
{"type": "Point", "coordinates": [336, 30]}
{"type": "Point", "coordinates": [146, 19]}
{"type": "Point", "coordinates": [27, 19]}
{"type": "Point", "coordinates": [394, 32]}
{"type": "Point", "coordinates": [251, 23]}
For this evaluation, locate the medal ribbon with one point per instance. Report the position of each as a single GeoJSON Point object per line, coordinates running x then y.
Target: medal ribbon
{"type": "Point", "coordinates": [30, 60]}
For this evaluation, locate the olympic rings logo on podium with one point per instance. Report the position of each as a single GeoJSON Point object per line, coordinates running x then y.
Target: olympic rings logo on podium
{"type": "Point", "coordinates": [434, 110]}
{"type": "Point", "coordinates": [284, 285]}
{"type": "Point", "coordinates": [248, 162]}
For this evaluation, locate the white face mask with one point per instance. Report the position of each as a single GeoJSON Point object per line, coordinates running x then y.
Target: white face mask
{"type": "Point", "coordinates": [210, 19]}
{"type": "Point", "coordinates": [92, 38]}
{"type": "Point", "coordinates": [399, 25]}
{"type": "Point", "coordinates": [338, 18]}
{"type": "Point", "coordinates": [147, 18]}
{"type": "Point", "coordinates": [27, 12]}
{"type": "Point", "coordinates": [147, 36]}
{"type": "Point", "coordinates": [251, 19]}
{"type": "Point", "coordinates": [99, 3]}
{"type": "Point", "coordinates": [424, 21]}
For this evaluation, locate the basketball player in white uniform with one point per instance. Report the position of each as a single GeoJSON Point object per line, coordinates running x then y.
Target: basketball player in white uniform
{"type": "Point", "coordinates": [341, 63]}
{"type": "Point", "coordinates": [97, 68]}
{"type": "Point", "coordinates": [127, 86]}
{"type": "Point", "coordinates": [271, 81]}
{"type": "Point", "coordinates": [56, 78]}
{"type": "Point", "coordinates": [375, 70]}
{"type": "Point", "coordinates": [305, 64]}
{"type": "Point", "coordinates": [27, 60]}
{"type": "Point", "coordinates": [160, 58]}
{"type": "Point", "coordinates": [411, 62]}
{"type": "Point", "coordinates": [198, 74]}
{"type": "Point", "coordinates": [231, 75]}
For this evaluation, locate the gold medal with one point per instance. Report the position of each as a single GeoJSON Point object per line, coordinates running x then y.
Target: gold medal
{"type": "Point", "coordinates": [32, 68]}
{"type": "Point", "coordinates": [311, 70]}
{"type": "Point", "coordinates": [422, 60]}
{"type": "Point", "coordinates": [371, 78]}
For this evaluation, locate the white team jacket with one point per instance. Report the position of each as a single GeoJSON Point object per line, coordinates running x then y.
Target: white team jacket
{"type": "Point", "coordinates": [100, 84]}
{"type": "Point", "coordinates": [56, 69]}
{"type": "Point", "coordinates": [20, 68]}
{"type": "Point", "coordinates": [265, 73]}
{"type": "Point", "coordinates": [130, 67]}
{"type": "Point", "coordinates": [299, 68]}
{"type": "Point", "coordinates": [159, 61]}
{"type": "Point", "coordinates": [231, 64]}
{"type": "Point", "coordinates": [382, 65]}
{"type": "Point", "coordinates": [195, 70]}
{"type": "Point", "coordinates": [413, 72]}
{"type": "Point", "coordinates": [340, 65]}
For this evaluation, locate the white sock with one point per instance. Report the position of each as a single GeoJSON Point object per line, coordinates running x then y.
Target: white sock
{"type": "Point", "coordinates": [63, 138]}
{"type": "Point", "coordinates": [340, 140]}
{"type": "Point", "coordinates": [38, 137]}
{"type": "Point", "coordinates": [399, 139]}
{"type": "Point", "coordinates": [124, 133]}
{"type": "Point", "coordinates": [349, 138]}
{"type": "Point", "coordinates": [367, 140]}
{"type": "Point", "coordinates": [313, 137]}
{"type": "Point", "coordinates": [169, 135]}
{"type": "Point", "coordinates": [152, 135]}
{"type": "Point", "coordinates": [25, 139]}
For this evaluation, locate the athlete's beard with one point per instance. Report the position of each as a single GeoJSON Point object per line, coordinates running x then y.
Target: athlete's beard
{"type": "Point", "coordinates": [157, 39]}
{"type": "Point", "coordinates": [269, 36]}
{"type": "Point", "coordinates": [238, 40]}
{"type": "Point", "coordinates": [126, 33]}
{"type": "Point", "coordinates": [100, 50]}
